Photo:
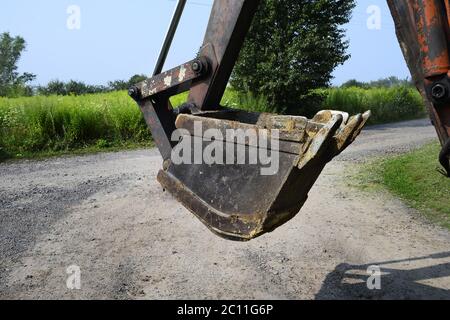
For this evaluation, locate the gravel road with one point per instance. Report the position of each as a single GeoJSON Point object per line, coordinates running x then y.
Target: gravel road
{"type": "Point", "coordinates": [107, 214]}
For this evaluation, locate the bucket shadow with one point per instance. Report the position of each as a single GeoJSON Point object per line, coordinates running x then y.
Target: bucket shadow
{"type": "Point", "coordinates": [350, 281]}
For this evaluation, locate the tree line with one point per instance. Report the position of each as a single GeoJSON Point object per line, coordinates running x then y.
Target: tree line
{"type": "Point", "coordinates": [73, 87]}
{"type": "Point", "coordinates": [388, 82]}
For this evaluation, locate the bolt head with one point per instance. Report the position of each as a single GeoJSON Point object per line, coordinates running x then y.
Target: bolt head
{"type": "Point", "coordinates": [439, 91]}
{"type": "Point", "coordinates": [197, 66]}
{"type": "Point", "coordinates": [134, 92]}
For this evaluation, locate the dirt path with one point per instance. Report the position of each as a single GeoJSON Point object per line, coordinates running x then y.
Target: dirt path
{"type": "Point", "coordinates": [108, 215]}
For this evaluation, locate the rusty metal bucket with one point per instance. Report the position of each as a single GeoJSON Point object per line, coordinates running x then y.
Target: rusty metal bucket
{"type": "Point", "coordinates": [237, 201]}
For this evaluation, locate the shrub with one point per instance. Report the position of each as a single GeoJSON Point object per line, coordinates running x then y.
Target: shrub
{"type": "Point", "coordinates": [387, 104]}
{"type": "Point", "coordinates": [61, 123]}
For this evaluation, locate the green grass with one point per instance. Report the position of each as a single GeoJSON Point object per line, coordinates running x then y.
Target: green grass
{"type": "Point", "coordinates": [65, 124]}
{"type": "Point", "coordinates": [414, 178]}
{"type": "Point", "coordinates": [387, 104]}
{"type": "Point", "coordinates": [40, 125]}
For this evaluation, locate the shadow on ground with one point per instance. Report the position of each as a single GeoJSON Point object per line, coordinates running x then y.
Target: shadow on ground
{"type": "Point", "coordinates": [350, 281]}
{"type": "Point", "coordinates": [4, 155]}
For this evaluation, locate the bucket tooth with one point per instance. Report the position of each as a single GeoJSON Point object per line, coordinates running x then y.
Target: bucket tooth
{"type": "Point", "coordinates": [320, 141]}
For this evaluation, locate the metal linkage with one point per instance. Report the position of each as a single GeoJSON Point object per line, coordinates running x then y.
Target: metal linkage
{"type": "Point", "coordinates": [171, 82]}
{"type": "Point", "coordinates": [206, 77]}
{"type": "Point", "coordinates": [228, 25]}
{"type": "Point", "coordinates": [158, 112]}
{"type": "Point", "coordinates": [169, 37]}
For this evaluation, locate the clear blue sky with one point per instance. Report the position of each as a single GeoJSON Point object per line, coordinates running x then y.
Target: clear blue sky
{"type": "Point", "coordinates": [119, 38]}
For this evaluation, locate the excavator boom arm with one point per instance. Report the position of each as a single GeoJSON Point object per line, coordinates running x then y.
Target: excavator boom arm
{"type": "Point", "coordinates": [422, 28]}
{"type": "Point", "coordinates": [235, 199]}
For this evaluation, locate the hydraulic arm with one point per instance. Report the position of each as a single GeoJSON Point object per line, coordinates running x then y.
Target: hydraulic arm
{"type": "Point", "coordinates": [423, 32]}
{"type": "Point", "coordinates": [239, 199]}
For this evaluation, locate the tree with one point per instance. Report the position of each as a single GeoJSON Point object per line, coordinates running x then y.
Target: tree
{"type": "Point", "coordinates": [76, 88]}
{"type": "Point", "coordinates": [293, 46]}
{"type": "Point", "coordinates": [354, 83]}
{"type": "Point", "coordinates": [72, 87]}
{"type": "Point", "coordinates": [391, 82]}
{"type": "Point", "coordinates": [136, 79]}
{"type": "Point", "coordinates": [59, 88]}
{"type": "Point", "coordinates": [380, 83]}
{"type": "Point", "coordinates": [55, 87]}
{"type": "Point", "coordinates": [118, 85]}
{"type": "Point", "coordinates": [125, 85]}
{"type": "Point", "coordinates": [11, 82]}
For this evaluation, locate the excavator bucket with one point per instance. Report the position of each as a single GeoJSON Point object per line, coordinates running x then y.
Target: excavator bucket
{"type": "Point", "coordinates": [241, 173]}
{"type": "Point", "coordinates": [243, 201]}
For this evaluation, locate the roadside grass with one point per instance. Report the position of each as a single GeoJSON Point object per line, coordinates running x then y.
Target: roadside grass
{"type": "Point", "coordinates": [46, 125]}
{"type": "Point", "coordinates": [414, 178]}
{"type": "Point", "coordinates": [36, 126]}
{"type": "Point", "coordinates": [393, 104]}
